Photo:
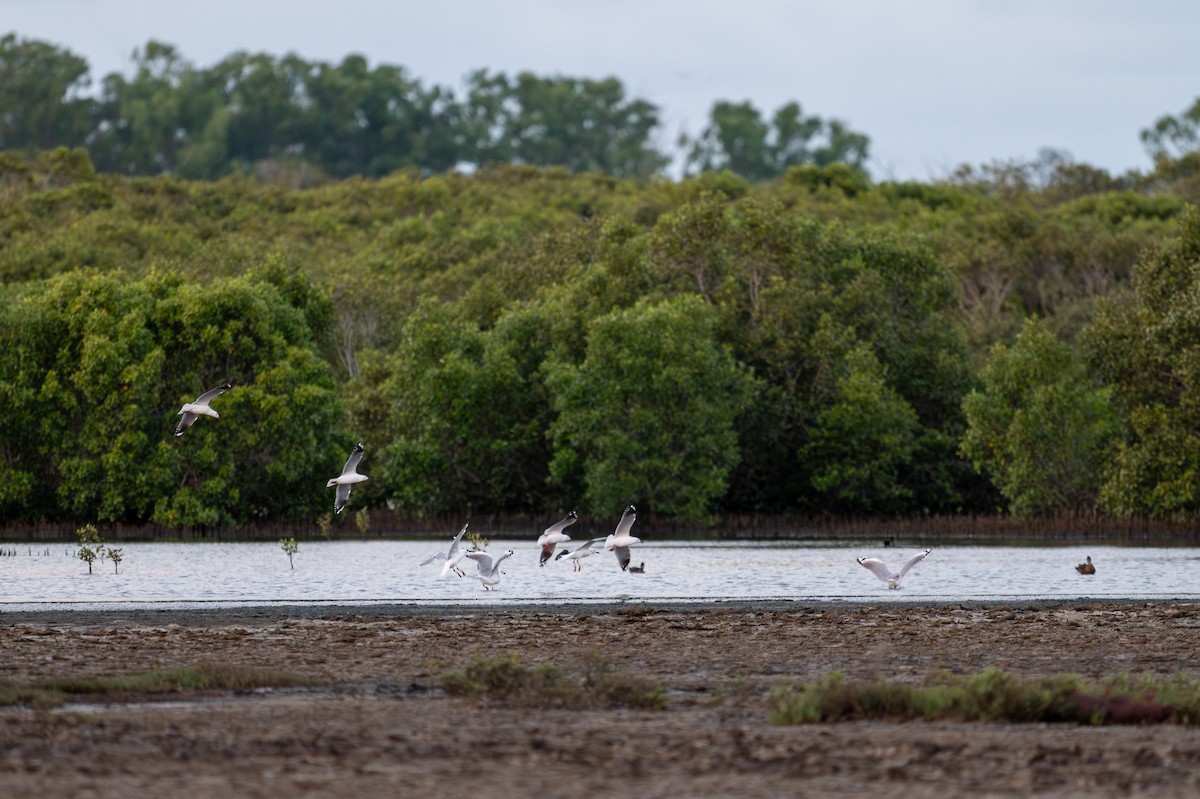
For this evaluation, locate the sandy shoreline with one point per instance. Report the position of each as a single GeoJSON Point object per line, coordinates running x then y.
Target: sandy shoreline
{"type": "Point", "coordinates": [379, 725]}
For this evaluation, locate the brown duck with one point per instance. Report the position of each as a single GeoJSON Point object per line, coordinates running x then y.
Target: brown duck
{"type": "Point", "coordinates": [1086, 568]}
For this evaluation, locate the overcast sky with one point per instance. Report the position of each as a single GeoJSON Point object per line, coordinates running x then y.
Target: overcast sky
{"type": "Point", "coordinates": [933, 83]}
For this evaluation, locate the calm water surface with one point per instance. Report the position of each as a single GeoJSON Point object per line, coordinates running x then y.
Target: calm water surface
{"type": "Point", "coordinates": [365, 572]}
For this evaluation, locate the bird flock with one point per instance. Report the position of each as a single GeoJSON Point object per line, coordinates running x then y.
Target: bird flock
{"type": "Point", "coordinates": [488, 567]}
{"type": "Point", "coordinates": [618, 542]}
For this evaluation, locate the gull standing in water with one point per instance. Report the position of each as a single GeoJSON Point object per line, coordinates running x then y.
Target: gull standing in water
{"type": "Point", "coordinates": [347, 478]}
{"type": "Point", "coordinates": [579, 553]}
{"type": "Point", "coordinates": [880, 569]}
{"type": "Point", "coordinates": [554, 535]}
{"type": "Point", "coordinates": [194, 410]}
{"type": "Point", "coordinates": [620, 540]}
{"type": "Point", "coordinates": [489, 570]}
{"type": "Point", "coordinates": [452, 556]}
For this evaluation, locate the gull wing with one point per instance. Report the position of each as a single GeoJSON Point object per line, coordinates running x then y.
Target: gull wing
{"type": "Point", "coordinates": [877, 567]}
{"type": "Point", "coordinates": [352, 462]}
{"type": "Point", "coordinates": [457, 538]}
{"type": "Point", "coordinates": [623, 557]}
{"type": "Point", "coordinates": [558, 527]}
{"type": "Point", "coordinates": [185, 422]}
{"type": "Point", "coordinates": [627, 520]}
{"type": "Point", "coordinates": [432, 558]}
{"type": "Point", "coordinates": [339, 500]}
{"type": "Point", "coordinates": [483, 559]}
{"type": "Point", "coordinates": [212, 394]}
{"type": "Point", "coordinates": [913, 561]}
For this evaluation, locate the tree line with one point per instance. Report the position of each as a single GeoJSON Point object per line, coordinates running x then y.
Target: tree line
{"type": "Point", "coordinates": [305, 121]}
{"type": "Point", "coordinates": [1020, 338]}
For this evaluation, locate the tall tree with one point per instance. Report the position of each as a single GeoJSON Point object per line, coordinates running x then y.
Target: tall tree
{"type": "Point", "coordinates": [1174, 136]}
{"type": "Point", "coordinates": [584, 125]}
{"type": "Point", "coordinates": [1038, 425]}
{"type": "Point", "coordinates": [649, 415]}
{"type": "Point", "coordinates": [41, 96]}
{"type": "Point", "coordinates": [1145, 345]}
{"type": "Point", "coordinates": [738, 139]}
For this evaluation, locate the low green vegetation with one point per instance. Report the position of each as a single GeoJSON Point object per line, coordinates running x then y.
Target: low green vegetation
{"type": "Point", "coordinates": [593, 683]}
{"type": "Point", "coordinates": [148, 685]}
{"type": "Point", "coordinates": [1017, 339]}
{"type": "Point", "coordinates": [993, 695]}
{"type": "Point", "coordinates": [290, 548]}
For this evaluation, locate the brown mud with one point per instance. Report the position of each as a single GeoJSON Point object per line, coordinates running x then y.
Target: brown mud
{"type": "Point", "coordinates": [378, 724]}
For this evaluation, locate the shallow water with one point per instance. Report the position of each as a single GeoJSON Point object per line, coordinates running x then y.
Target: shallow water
{"type": "Point", "coordinates": [367, 572]}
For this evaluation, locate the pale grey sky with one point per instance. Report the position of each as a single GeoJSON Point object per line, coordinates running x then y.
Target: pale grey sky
{"type": "Point", "coordinates": [933, 83]}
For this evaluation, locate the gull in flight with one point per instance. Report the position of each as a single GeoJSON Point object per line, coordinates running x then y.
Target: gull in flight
{"type": "Point", "coordinates": [620, 540]}
{"type": "Point", "coordinates": [194, 410]}
{"type": "Point", "coordinates": [347, 478]}
{"type": "Point", "coordinates": [452, 556]}
{"type": "Point", "coordinates": [580, 552]}
{"type": "Point", "coordinates": [489, 570]}
{"type": "Point", "coordinates": [885, 574]}
{"type": "Point", "coordinates": [554, 536]}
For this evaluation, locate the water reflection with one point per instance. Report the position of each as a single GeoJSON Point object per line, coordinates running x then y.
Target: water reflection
{"type": "Point", "coordinates": [353, 572]}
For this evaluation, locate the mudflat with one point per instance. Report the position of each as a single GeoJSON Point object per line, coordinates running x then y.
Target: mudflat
{"type": "Point", "coordinates": [376, 722]}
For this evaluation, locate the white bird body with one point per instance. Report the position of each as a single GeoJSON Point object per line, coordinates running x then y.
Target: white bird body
{"type": "Point", "coordinates": [191, 411]}
{"type": "Point", "coordinates": [580, 552]}
{"type": "Point", "coordinates": [620, 539]}
{"type": "Point", "coordinates": [489, 569]}
{"type": "Point", "coordinates": [886, 575]}
{"type": "Point", "coordinates": [347, 478]}
{"type": "Point", "coordinates": [553, 535]}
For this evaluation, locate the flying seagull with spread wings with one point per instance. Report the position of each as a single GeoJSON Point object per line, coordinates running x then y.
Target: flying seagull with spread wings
{"type": "Point", "coordinates": [347, 478]}
{"type": "Point", "coordinates": [892, 579]}
{"type": "Point", "coordinates": [192, 411]}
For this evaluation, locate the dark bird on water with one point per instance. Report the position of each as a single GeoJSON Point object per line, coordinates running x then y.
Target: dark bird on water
{"type": "Point", "coordinates": [1086, 568]}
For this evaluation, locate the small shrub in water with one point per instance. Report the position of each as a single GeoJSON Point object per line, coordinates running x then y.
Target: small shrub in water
{"type": "Point", "coordinates": [90, 547]}
{"type": "Point", "coordinates": [290, 547]}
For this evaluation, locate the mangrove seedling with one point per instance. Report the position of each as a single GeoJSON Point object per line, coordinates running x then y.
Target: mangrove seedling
{"type": "Point", "coordinates": [115, 554]}
{"type": "Point", "coordinates": [289, 546]}
{"type": "Point", "coordinates": [90, 547]}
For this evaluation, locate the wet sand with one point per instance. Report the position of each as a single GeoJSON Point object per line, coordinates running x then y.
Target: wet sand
{"type": "Point", "coordinates": [378, 725]}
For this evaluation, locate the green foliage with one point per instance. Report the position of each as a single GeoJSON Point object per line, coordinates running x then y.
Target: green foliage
{"type": "Point", "coordinates": [506, 337]}
{"type": "Point", "coordinates": [594, 684]}
{"type": "Point", "coordinates": [650, 411]}
{"type": "Point", "coordinates": [1144, 345]}
{"type": "Point", "coordinates": [864, 415]}
{"type": "Point", "coordinates": [290, 548]}
{"type": "Point", "coordinates": [739, 140]}
{"type": "Point", "coordinates": [993, 696]}
{"type": "Point", "coordinates": [1038, 426]}
{"type": "Point", "coordinates": [90, 547]}
{"type": "Point", "coordinates": [1173, 136]}
{"type": "Point", "coordinates": [96, 369]}
{"type": "Point", "coordinates": [46, 693]}
{"type": "Point", "coordinates": [41, 95]}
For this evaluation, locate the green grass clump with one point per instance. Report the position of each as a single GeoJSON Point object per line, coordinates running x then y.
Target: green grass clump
{"type": "Point", "coordinates": [594, 684]}
{"type": "Point", "coordinates": [993, 695]}
{"type": "Point", "coordinates": [54, 691]}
